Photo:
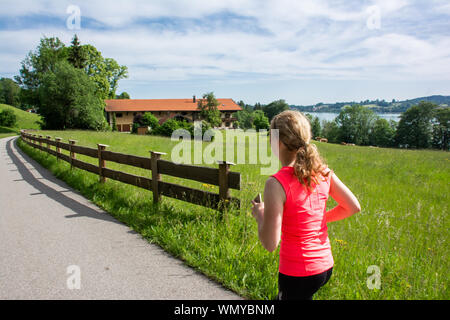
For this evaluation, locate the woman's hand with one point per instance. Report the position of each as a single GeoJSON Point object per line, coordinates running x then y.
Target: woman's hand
{"type": "Point", "coordinates": [258, 211]}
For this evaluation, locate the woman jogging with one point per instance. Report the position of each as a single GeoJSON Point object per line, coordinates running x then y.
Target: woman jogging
{"type": "Point", "coordinates": [294, 209]}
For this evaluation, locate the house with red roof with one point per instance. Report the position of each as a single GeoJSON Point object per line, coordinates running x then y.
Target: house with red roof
{"type": "Point", "coordinates": [164, 109]}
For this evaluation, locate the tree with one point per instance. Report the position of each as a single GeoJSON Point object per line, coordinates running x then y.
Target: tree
{"type": "Point", "coordinates": [441, 129]}
{"type": "Point", "coordinates": [123, 95]}
{"type": "Point", "coordinates": [245, 119]}
{"type": "Point", "coordinates": [260, 121]}
{"type": "Point", "coordinates": [415, 127]}
{"type": "Point", "coordinates": [36, 64]}
{"type": "Point", "coordinates": [257, 106]}
{"type": "Point", "coordinates": [316, 130]}
{"type": "Point", "coordinates": [49, 62]}
{"type": "Point", "coordinates": [274, 108]}
{"type": "Point", "coordinates": [315, 125]}
{"type": "Point", "coordinates": [383, 133]}
{"type": "Point", "coordinates": [115, 72]}
{"type": "Point", "coordinates": [355, 124]}
{"type": "Point", "coordinates": [208, 109]}
{"type": "Point", "coordinates": [9, 92]}
{"type": "Point", "coordinates": [330, 130]}
{"type": "Point", "coordinates": [105, 72]}
{"type": "Point", "coordinates": [8, 118]}
{"type": "Point", "coordinates": [77, 55]}
{"type": "Point", "coordinates": [68, 100]}
{"type": "Point", "coordinates": [114, 122]}
{"type": "Point", "coordinates": [309, 116]}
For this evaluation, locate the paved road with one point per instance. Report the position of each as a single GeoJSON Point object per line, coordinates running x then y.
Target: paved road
{"type": "Point", "coordinates": [46, 227]}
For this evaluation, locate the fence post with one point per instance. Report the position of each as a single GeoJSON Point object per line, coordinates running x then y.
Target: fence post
{"type": "Point", "coordinates": [48, 140]}
{"type": "Point", "coordinates": [154, 157]}
{"type": "Point", "coordinates": [40, 142]}
{"type": "Point", "coordinates": [101, 162]}
{"type": "Point", "coordinates": [224, 191]}
{"type": "Point", "coordinates": [58, 149]}
{"type": "Point", "coordinates": [72, 154]}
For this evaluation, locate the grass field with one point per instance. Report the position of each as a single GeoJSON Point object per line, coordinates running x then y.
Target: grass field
{"type": "Point", "coordinates": [25, 120]}
{"type": "Point", "coordinates": [403, 227]}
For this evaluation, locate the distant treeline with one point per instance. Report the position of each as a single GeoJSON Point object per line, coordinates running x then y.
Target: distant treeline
{"type": "Point", "coordinates": [424, 125]}
{"type": "Point", "coordinates": [379, 106]}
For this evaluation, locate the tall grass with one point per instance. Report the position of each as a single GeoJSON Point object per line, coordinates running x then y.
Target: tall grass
{"type": "Point", "coordinates": [402, 229]}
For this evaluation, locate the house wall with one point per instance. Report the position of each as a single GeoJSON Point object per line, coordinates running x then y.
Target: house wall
{"type": "Point", "coordinates": [128, 116]}
{"type": "Point", "coordinates": [125, 119]}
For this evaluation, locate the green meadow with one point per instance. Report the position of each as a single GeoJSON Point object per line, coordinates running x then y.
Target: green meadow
{"type": "Point", "coordinates": [25, 120]}
{"type": "Point", "coordinates": [403, 227]}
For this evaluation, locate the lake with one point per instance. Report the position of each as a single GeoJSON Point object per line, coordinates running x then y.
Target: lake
{"type": "Point", "coordinates": [330, 116]}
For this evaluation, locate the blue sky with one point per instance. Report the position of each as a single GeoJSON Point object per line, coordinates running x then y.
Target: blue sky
{"type": "Point", "coordinates": [258, 51]}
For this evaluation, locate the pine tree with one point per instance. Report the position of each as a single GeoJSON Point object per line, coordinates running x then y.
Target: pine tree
{"type": "Point", "coordinates": [77, 56]}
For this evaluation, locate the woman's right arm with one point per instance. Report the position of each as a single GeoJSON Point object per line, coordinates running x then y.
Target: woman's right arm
{"type": "Point", "coordinates": [347, 202]}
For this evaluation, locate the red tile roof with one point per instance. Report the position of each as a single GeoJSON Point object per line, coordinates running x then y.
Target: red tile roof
{"type": "Point", "coordinates": [164, 105]}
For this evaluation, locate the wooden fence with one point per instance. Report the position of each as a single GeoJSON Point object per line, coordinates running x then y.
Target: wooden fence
{"type": "Point", "coordinates": [221, 176]}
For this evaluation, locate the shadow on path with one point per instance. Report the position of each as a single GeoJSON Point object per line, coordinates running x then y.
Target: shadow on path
{"type": "Point", "coordinates": [78, 208]}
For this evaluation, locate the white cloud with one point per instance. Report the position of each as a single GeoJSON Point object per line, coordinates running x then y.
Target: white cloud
{"type": "Point", "coordinates": [443, 8]}
{"type": "Point", "coordinates": [307, 39]}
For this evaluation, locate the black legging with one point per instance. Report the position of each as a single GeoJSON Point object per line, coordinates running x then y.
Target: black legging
{"type": "Point", "coordinates": [301, 288]}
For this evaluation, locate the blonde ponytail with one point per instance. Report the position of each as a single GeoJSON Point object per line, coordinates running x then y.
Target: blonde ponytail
{"type": "Point", "coordinates": [295, 132]}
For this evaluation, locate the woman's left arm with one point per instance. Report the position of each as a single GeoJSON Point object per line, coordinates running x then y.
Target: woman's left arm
{"type": "Point", "coordinates": [268, 214]}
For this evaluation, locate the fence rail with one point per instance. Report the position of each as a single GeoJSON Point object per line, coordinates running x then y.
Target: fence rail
{"type": "Point", "coordinates": [220, 176]}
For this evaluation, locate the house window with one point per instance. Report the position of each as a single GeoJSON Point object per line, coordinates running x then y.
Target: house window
{"type": "Point", "coordinates": [119, 115]}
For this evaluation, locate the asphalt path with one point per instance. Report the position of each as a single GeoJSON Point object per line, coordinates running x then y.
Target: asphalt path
{"type": "Point", "coordinates": [55, 244]}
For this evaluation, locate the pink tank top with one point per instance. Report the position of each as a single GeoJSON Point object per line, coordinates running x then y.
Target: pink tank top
{"type": "Point", "coordinates": [305, 248]}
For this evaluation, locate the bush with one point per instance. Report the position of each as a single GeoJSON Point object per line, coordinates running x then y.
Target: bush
{"type": "Point", "coordinates": [145, 120]}
{"type": "Point", "coordinates": [171, 125]}
{"type": "Point", "coordinates": [134, 127]}
{"type": "Point", "coordinates": [137, 122]}
{"type": "Point", "coordinates": [167, 128]}
{"type": "Point", "coordinates": [149, 120]}
{"type": "Point", "coordinates": [8, 118]}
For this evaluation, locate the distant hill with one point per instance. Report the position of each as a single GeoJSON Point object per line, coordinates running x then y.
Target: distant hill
{"type": "Point", "coordinates": [380, 106]}
{"type": "Point", "coordinates": [25, 120]}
